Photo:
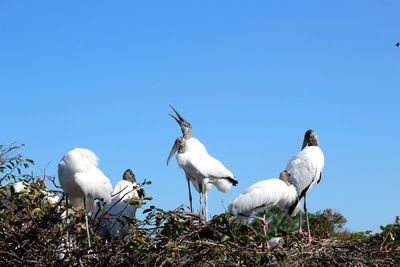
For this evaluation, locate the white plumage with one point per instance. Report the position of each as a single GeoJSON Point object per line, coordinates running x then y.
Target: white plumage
{"type": "Point", "coordinates": [202, 169]}
{"type": "Point", "coordinates": [81, 178]}
{"type": "Point", "coordinates": [123, 192]}
{"type": "Point", "coordinates": [19, 186]}
{"type": "Point", "coordinates": [83, 181]}
{"type": "Point", "coordinates": [305, 168]}
{"type": "Point", "coordinates": [262, 196]}
{"type": "Point", "coordinates": [49, 198]}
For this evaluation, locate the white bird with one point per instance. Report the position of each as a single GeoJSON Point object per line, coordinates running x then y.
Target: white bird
{"type": "Point", "coordinates": [305, 170]}
{"type": "Point", "coordinates": [200, 168]}
{"type": "Point", "coordinates": [19, 186]}
{"type": "Point", "coordinates": [50, 199]}
{"type": "Point", "coordinates": [83, 181]}
{"type": "Point", "coordinates": [264, 195]}
{"type": "Point", "coordinates": [124, 191]}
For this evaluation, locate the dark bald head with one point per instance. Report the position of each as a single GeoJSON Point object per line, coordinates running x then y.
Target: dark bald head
{"type": "Point", "coordinates": [284, 176]}
{"type": "Point", "coordinates": [129, 176]}
{"type": "Point", "coordinates": [310, 139]}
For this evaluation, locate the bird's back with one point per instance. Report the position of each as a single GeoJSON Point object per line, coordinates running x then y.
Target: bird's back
{"type": "Point", "coordinates": [119, 206]}
{"type": "Point", "coordinates": [261, 196]}
{"type": "Point", "coordinates": [305, 168]}
{"type": "Point", "coordinates": [209, 167]}
{"type": "Point", "coordinates": [79, 177]}
{"type": "Point", "coordinates": [125, 190]}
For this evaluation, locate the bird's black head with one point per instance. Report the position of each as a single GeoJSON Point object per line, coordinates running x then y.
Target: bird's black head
{"type": "Point", "coordinates": [129, 176]}
{"type": "Point", "coordinates": [310, 139]}
{"type": "Point", "coordinates": [284, 176]}
{"type": "Point", "coordinates": [179, 145]}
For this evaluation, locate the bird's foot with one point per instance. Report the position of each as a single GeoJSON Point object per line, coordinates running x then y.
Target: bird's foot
{"type": "Point", "coordinates": [311, 240]}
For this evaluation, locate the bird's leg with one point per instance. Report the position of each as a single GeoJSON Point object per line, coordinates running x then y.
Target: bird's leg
{"type": "Point", "coordinates": [300, 224]}
{"type": "Point", "coordinates": [190, 196]}
{"type": "Point", "coordinates": [264, 223]}
{"type": "Point", "coordinates": [87, 223]}
{"type": "Point", "coordinates": [206, 206]}
{"type": "Point", "coordinates": [201, 201]}
{"type": "Point", "coordinates": [66, 223]}
{"type": "Point", "coordinates": [308, 224]}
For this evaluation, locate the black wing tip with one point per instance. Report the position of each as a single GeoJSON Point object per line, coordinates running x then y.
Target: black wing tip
{"type": "Point", "coordinates": [232, 180]}
{"type": "Point", "coordinates": [293, 207]}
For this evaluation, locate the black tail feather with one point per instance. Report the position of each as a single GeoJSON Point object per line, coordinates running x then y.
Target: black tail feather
{"type": "Point", "coordinates": [232, 180]}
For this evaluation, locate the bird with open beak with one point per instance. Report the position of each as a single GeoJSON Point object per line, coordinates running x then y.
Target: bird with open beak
{"type": "Point", "coordinates": [201, 169]}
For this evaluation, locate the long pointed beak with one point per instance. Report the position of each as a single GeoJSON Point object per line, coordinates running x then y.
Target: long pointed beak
{"type": "Point", "coordinates": [180, 120]}
{"type": "Point", "coordinates": [173, 150]}
{"type": "Point", "coordinates": [177, 114]}
{"type": "Point", "coordinates": [177, 120]}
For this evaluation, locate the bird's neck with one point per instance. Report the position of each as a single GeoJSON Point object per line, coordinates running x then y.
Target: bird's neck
{"type": "Point", "coordinates": [187, 135]}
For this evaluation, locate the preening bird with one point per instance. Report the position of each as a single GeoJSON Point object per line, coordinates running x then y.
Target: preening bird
{"type": "Point", "coordinates": [124, 191]}
{"type": "Point", "coordinates": [83, 181]}
{"type": "Point", "coordinates": [201, 169]}
{"type": "Point", "coordinates": [305, 171]}
{"type": "Point", "coordinates": [264, 195]}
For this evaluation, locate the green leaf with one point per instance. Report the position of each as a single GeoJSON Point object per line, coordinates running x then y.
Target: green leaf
{"type": "Point", "coordinates": [224, 238]}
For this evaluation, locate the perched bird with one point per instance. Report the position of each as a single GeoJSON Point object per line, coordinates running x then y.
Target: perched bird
{"type": "Point", "coordinates": [82, 181]}
{"type": "Point", "coordinates": [124, 191]}
{"type": "Point", "coordinates": [201, 169]}
{"type": "Point", "coordinates": [305, 171]}
{"type": "Point", "coordinates": [50, 199]}
{"type": "Point", "coordinates": [20, 186]}
{"type": "Point", "coordinates": [264, 195]}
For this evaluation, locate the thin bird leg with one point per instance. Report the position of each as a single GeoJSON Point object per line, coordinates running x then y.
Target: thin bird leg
{"type": "Point", "coordinates": [264, 223]}
{"type": "Point", "coordinates": [308, 224]}
{"type": "Point", "coordinates": [66, 222]}
{"type": "Point", "coordinates": [300, 224]}
{"type": "Point", "coordinates": [190, 196]}
{"type": "Point", "coordinates": [206, 204]}
{"type": "Point", "coordinates": [201, 205]}
{"type": "Point", "coordinates": [87, 223]}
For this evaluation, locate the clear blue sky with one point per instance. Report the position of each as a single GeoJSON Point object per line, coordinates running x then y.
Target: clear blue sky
{"type": "Point", "coordinates": [251, 77]}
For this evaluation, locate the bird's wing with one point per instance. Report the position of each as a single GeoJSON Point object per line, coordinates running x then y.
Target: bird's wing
{"type": "Point", "coordinates": [94, 184]}
{"type": "Point", "coordinates": [261, 196]}
{"type": "Point", "coordinates": [194, 176]}
{"type": "Point", "coordinates": [216, 173]}
{"type": "Point", "coordinates": [124, 189]}
{"type": "Point", "coordinates": [305, 168]}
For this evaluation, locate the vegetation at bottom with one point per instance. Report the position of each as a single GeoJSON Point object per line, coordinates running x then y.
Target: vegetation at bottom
{"type": "Point", "coordinates": [35, 233]}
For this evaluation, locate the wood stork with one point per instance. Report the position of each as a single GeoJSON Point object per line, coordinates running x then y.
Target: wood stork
{"type": "Point", "coordinates": [200, 168]}
{"type": "Point", "coordinates": [124, 191]}
{"type": "Point", "coordinates": [262, 196]}
{"type": "Point", "coordinates": [50, 199]}
{"type": "Point", "coordinates": [83, 181]}
{"type": "Point", "coordinates": [305, 171]}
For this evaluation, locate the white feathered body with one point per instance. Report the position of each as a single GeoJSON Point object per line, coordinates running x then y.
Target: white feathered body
{"type": "Point", "coordinates": [262, 196]}
{"type": "Point", "coordinates": [81, 178]}
{"type": "Point", "coordinates": [123, 192]}
{"type": "Point", "coordinates": [305, 168]}
{"type": "Point", "coordinates": [201, 168]}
